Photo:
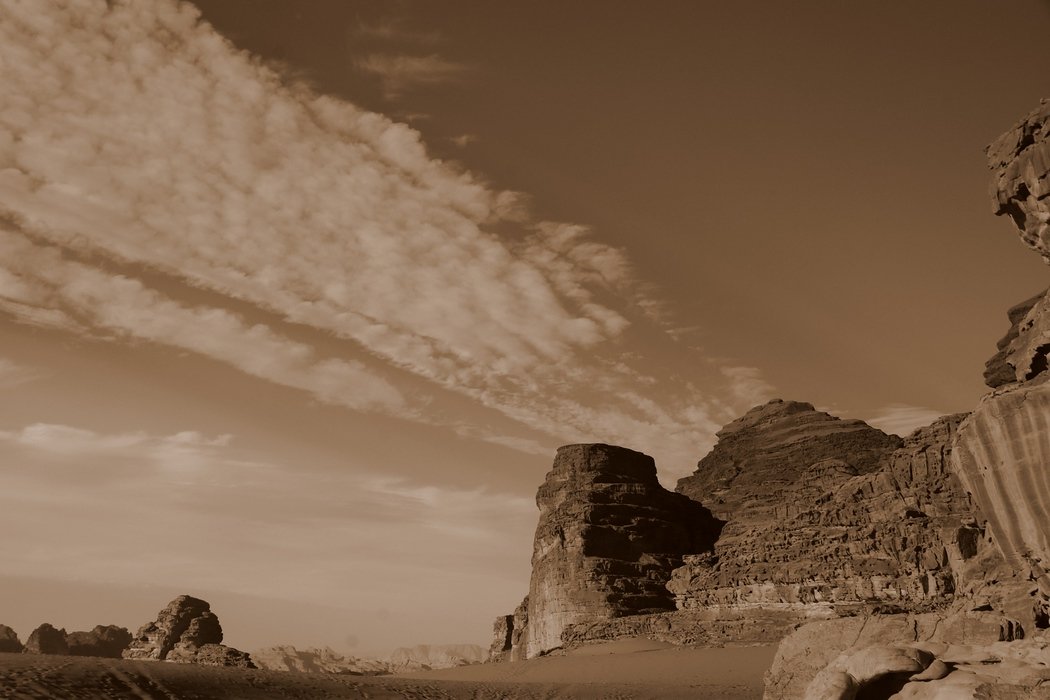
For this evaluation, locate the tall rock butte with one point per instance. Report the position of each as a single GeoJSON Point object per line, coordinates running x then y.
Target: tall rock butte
{"type": "Point", "coordinates": [608, 538]}
{"type": "Point", "coordinates": [185, 631]}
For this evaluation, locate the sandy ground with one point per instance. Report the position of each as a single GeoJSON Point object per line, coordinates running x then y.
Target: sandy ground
{"type": "Point", "coordinates": [623, 670]}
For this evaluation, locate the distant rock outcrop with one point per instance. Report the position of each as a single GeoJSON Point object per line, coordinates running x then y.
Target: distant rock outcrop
{"type": "Point", "coordinates": [107, 641]}
{"type": "Point", "coordinates": [9, 642]}
{"type": "Point", "coordinates": [185, 631]}
{"type": "Point", "coordinates": [315, 660]}
{"type": "Point", "coordinates": [45, 639]}
{"type": "Point", "coordinates": [424, 657]}
{"type": "Point", "coordinates": [1020, 162]}
{"type": "Point", "coordinates": [608, 538]}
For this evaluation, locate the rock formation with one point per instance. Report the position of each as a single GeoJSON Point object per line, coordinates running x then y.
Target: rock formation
{"type": "Point", "coordinates": [607, 540]}
{"type": "Point", "coordinates": [424, 657]}
{"type": "Point", "coordinates": [1020, 163]}
{"type": "Point", "coordinates": [186, 631]}
{"type": "Point", "coordinates": [510, 634]}
{"type": "Point", "coordinates": [314, 660]}
{"type": "Point", "coordinates": [991, 641]}
{"type": "Point", "coordinates": [45, 639]}
{"type": "Point", "coordinates": [9, 642]}
{"type": "Point", "coordinates": [825, 515]}
{"type": "Point", "coordinates": [1002, 367]}
{"type": "Point", "coordinates": [108, 641]}
{"type": "Point", "coordinates": [1002, 455]}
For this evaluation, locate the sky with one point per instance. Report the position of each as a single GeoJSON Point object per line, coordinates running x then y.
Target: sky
{"type": "Point", "coordinates": [297, 299]}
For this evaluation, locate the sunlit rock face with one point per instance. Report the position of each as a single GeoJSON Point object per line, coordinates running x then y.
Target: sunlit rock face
{"type": "Point", "coordinates": [607, 540]}
{"type": "Point", "coordinates": [824, 514]}
{"type": "Point", "coordinates": [1002, 456]}
{"type": "Point", "coordinates": [1020, 162]}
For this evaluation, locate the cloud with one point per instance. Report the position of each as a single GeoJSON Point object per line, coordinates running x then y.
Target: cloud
{"type": "Point", "coordinates": [13, 374]}
{"type": "Point", "coordinates": [464, 140]}
{"type": "Point", "coordinates": [401, 72]}
{"type": "Point", "coordinates": [133, 138]}
{"type": "Point", "coordinates": [902, 419]}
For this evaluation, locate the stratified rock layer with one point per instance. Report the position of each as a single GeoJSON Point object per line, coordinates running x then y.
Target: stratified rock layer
{"type": "Point", "coordinates": [45, 639]}
{"type": "Point", "coordinates": [1002, 455]}
{"type": "Point", "coordinates": [1020, 162]}
{"type": "Point", "coordinates": [9, 642]}
{"type": "Point", "coordinates": [423, 657]}
{"type": "Point", "coordinates": [771, 451]}
{"type": "Point", "coordinates": [607, 540]}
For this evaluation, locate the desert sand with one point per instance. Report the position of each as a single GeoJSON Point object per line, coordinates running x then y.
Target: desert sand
{"type": "Point", "coordinates": [623, 669]}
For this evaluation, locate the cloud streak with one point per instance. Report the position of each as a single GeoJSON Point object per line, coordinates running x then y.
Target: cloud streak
{"type": "Point", "coordinates": [132, 134]}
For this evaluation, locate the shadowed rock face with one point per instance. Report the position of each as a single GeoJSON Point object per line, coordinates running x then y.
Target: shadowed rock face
{"type": "Point", "coordinates": [607, 540]}
{"type": "Point", "coordinates": [45, 639]}
{"type": "Point", "coordinates": [1019, 347]}
{"type": "Point", "coordinates": [9, 642]}
{"type": "Point", "coordinates": [1020, 162]}
{"type": "Point", "coordinates": [107, 641]}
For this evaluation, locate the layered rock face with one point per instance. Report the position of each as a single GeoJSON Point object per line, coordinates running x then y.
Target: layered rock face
{"type": "Point", "coordinates": [510, 635]}
{"type": "Point", "coordinates": [45, 639]}
{"type": "Point", "coordinates": [186, 631]}
{"type": "Point", "coordinates": [607, 541]}
{"type": "Point", "coordinates": [772, 451]}
{"type": "Point", "coordinates": [1002, 456]}
{"type": "Point", "coordinates": [1020, 162]}
{"type": "Point", "coordinates": [827, 513]}
{"type": "Point", "coordinates": [9, 642]}
{"type": "Point", "coordinates": [107, 641]}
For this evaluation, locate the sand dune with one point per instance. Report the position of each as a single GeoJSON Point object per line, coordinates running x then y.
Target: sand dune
{"type": "Point", "coordinates": [630, 669]}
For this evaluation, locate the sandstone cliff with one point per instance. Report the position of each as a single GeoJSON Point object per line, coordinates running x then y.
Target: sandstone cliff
{"type": "Point", "coordinates": [608, 538]}
{"type": "Point", "coordinates": [45, 639]}
{"type": "Point", "coordinates": [107, 641]}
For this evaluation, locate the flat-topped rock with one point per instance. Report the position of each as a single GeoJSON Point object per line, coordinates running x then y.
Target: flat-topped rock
{"type": "Point", "coordinates": [107, 641]}
{"type": "Point", "coordinates": [607, 540]}
{"type": "Point", "coordinates": [1020, 163]}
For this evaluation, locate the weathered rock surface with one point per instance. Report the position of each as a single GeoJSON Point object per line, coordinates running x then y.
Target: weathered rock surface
{"type": "Point", "coordinates": [423, 657]}
{"type": "Point", "coordinates": [607, 540]}
{"type": "Point", "coordinates": [1020, 162]}
{"type": "Point", "coordinates": [838, 517]}
{"type": "Point", "coordinates": [315, 660]}
{"type": "Point", "coordinates": [107, 641]}
{"type": "Point", "coordinates": [1002, 368]}
{"type": "Point", "coordinates": [9, 642]}
{"type": "Point", "coordinates": [185, 631]}
{"type": "Point", "coordinates": [45, 639]}
{"type": "Point", "coordinates": [829, 644]}
{"type": "Point", "coordinates": [1001, 455]}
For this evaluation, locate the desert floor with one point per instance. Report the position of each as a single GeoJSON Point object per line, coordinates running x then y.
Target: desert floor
{"type": "Point", "coordinates": [616, 670]}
